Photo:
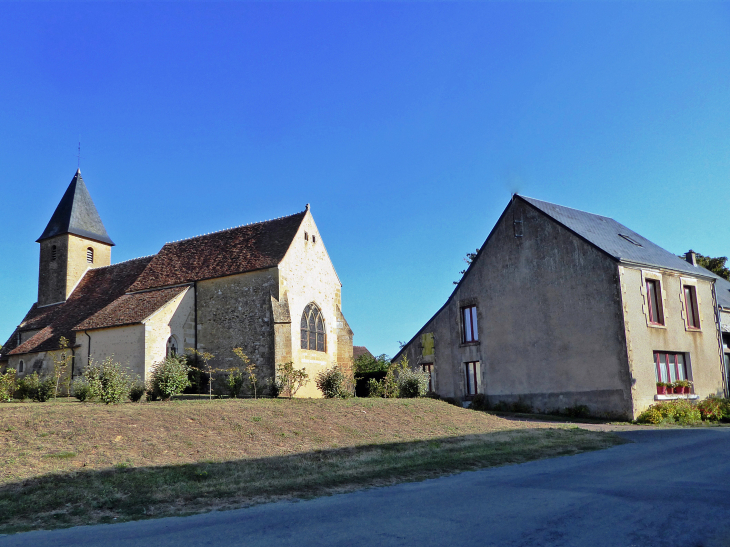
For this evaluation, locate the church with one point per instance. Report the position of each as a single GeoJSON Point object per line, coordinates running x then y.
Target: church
{"type": "Point", "coordinates": [269, 288]}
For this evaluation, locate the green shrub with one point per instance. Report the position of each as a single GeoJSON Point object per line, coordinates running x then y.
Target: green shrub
{"type": "Point", "coordinates": [679, 411]}
{"type": "Point", "coordinates": [331, 383]}
{"type": "Point", "coordinates": [375, 388]}
{"type": "Point", "coordinates": [136, 391]}
{"type": "Point", "coordinates": [169, 377]}
{"type": "Point", "coordinates": [108, 381]}
{"type": "Point", "coordinates": [452, 401]}
{"type": "Point", "coordinates": [412, 383]}
{"type": "Point", "coordinates": [234, 382]}
{"type": "Point", "coordinates": [81, 389]}
{"type": "Point", "coordinates": [711, 409]}
{"type": "Point", "coordinates": [479, 402]}
{"type": "Point", "coordinates": [290, 379]}
{"type": "Point", "coordinates": [34, 388]}
{"type": "Point", "coordinates": [7, 385]}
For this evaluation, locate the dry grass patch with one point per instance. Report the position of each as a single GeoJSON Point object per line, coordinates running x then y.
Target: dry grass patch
{"type": "Point", "coordinates": [72, 463]}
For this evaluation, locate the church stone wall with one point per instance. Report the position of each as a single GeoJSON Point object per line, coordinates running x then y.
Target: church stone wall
{"type": "Point", "coordinates": [235, 311]}
{"type": "Point", "coordinates": [307, 275]}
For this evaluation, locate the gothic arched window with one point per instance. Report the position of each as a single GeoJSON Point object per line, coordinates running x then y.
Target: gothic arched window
{"type": "Point", "coordinates": [171, 347]}
{"type": "Point", "coordinates": [21, 366]}
{"type": "Point", "coordinates": [90, 255]}
{"type": "Point", "coordinates": [313, 336]}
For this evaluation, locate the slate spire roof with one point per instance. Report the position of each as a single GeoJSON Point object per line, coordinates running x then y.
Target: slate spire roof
{"type": "Point", "coordinates": [76, 214]}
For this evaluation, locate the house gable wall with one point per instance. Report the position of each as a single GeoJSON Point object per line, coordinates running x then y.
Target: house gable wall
{"type": "Point", "coordinates": [549, 316]}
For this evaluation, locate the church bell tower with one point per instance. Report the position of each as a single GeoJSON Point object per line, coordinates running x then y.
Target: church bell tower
{"type": "Point", "coordinates": [74, 241]}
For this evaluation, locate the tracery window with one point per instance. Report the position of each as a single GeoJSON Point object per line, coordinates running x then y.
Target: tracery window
{"type": "Point", "coordinates": [171, 347]}
{"type": "Point", "coordinates": [313, 335]}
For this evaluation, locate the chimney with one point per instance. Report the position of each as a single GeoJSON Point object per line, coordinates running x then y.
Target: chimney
{"type": "Point", "coordinates": [691, 257]}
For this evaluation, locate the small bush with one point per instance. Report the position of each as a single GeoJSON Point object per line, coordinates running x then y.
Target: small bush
{"type": "Point", "coordinates": [7, 385]}
{"type": "Point", "coordinates": [169, 377]}
{"type": "Point", "coordinates": [34, 388]}
{"type": "Point", "coordinates": [412, 383]}
{"type": "Point", "coordinates": [679, 411]}
{"type": "Point", "coordinates": [433, 395]}
{"type": "Point", "coordinates": [81, 389]}
{"type": "Point", "coordinates": [375, 388]}
{"type": "Point", "coordinates": [331, 383]}
{"type": "Point", "coordinates": [479, 402]}
{"type": "Point", "coordinates": [108, 381]}
{"type": "Point", "coordinates": [234, 383]}
{"type": "Point", "coordinates": [711, 409]}
{"type": "Point", "coordinates": [452, 401]}
{"type": "Point", "coordinates": [521, 407]}
{"type": "Point", "coordinates": [290, 379]}
{"type": "Point", "coordinates": [136, 391]}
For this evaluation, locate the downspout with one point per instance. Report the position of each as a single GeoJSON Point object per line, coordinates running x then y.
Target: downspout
{"type": "Point", "coordinates": [718, 320]}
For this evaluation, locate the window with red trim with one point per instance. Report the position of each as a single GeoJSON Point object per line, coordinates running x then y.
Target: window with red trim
{"type": "Point", "coordinates": [654, 299]}
{"type": "Point", "coordinates": [690, 306]}
{"type": "Point", "coordinates": [470, 332]}
{"type": "Point", "coordinates": [670, 366]}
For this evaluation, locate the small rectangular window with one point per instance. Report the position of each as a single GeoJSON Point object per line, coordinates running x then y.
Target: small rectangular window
{"type": "Point", "coordinates": [469, 327]}
{"type": "Point", "coordinates": [654, 300]}
{"type": "Point", "coordinates": [90, 255]}
{"type": "Point", "coordinates": [472, 378]}
{"type": "Point", "coordinates": [690, 307]}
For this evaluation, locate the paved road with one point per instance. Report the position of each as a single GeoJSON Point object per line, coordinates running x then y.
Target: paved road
{"type": "Point", "coordinates": [669, 487]}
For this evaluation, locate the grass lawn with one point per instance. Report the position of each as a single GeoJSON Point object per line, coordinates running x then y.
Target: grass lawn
{"type": "Point", "coordinates": [68, 463]}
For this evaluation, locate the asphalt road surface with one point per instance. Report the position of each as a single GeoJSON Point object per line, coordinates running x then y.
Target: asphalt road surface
{"type": "Point", "coordinates": [668, 487]}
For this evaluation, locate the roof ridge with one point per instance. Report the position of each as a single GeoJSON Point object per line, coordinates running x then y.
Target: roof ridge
{"type": "Point", "coordinates": [572, 209]}
{"type": "Point", "coordinates": [123, 262]}
{"type": "Point", "coordinates": [234, 228]}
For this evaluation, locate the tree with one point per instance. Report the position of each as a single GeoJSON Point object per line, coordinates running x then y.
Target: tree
{"type": "Point", "coordinates": [715, 264]}
{"type": "Point", "coordinates": [206, 357]}
{"type": "Point", "coordinates": [290, 379]}
{"type": "Point", "coordinates": [469, 258]}
{"type": "Point", "coordinates": [60, 366]}
{"type": "Point", "coordinates": [367, 363]}
{"type": "Point", "coordinates": [250, 369]}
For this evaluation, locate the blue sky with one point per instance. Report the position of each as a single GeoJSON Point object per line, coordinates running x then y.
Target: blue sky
{"type": "Point", "coordinates": [406, 125]}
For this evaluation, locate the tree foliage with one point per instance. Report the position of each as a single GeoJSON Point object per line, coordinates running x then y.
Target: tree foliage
{"type": "Point", "coordinates": [290, 379]}
{"type": "Point", "coordinates": [715, 264]}
{"type": "Point", "coordinates": [368, 363]}
{"type": "Point", "coordinates": [469, 258]}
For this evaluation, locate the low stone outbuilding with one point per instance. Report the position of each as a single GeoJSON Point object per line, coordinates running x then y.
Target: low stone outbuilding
{"type": "Point", "coordinates": [561, 307]}
{"type": "Point", "coordinates": [269, 288]}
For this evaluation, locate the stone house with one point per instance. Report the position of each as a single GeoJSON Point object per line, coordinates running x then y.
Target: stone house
{"type": "Point", "coordinates": [269, 288]}
{"type": "Point", "coordinates": [561, 307]}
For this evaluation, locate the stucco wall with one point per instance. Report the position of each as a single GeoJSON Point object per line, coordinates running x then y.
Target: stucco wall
{"type": "Point", "coordinates": [307, 275]}
{"type": "Point", "coordinates": [550, 322]}
{"type": "Point", "coordinates": [169, 320]}
{"type": "Point", "coordinates": [124, 344]}
{"type": "Point", "coordinates": [57, 278]}
{"type": "Point", "coordinates": [702, 347]}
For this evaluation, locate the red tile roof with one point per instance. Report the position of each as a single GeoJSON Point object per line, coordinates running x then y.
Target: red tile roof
{"type": "Point", "coordinates": [238, 250]}
{"type": "Point", "coordinates": [97, 289]}
{"type": "Point", "coordinates": [130, 309]}
{"type": "Point", "coordinates": [358, 351]}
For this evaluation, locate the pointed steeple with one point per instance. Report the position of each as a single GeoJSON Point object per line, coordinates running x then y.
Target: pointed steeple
{"type": "Point", "coordinates": [76, 214]}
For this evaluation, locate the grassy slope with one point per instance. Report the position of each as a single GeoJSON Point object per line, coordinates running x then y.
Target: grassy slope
{"type": "Point", "coordinates": [79, 463]}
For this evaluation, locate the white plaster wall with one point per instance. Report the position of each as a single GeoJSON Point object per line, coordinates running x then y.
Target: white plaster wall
{"type": "Point", "coordinates": [307, 275]}
{"type": "Point", "coordinates": [124, 344]}
{"type": "Point", "coordinates": [169, 320]}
